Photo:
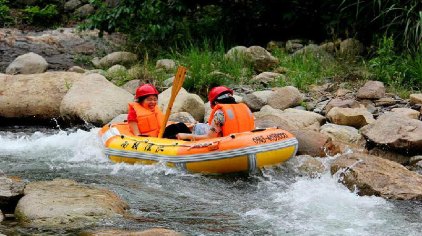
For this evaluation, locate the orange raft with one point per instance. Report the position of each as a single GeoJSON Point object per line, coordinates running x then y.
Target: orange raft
{"type": "Point", "coordinates": [238, 152]}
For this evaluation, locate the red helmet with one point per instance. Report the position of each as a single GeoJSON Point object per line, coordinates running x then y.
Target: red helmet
{"type": "Point", "coordinates": [145, 89]}
{"type": "Point", "coordinates": [216, 91]}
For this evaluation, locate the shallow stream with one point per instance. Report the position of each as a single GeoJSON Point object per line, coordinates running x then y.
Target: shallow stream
{"type": "Point", "coordinates": [277, 201]}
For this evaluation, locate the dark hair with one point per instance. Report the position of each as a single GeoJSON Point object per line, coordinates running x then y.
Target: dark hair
{"type": "Point", "coordinates": [225, 100]}
{"type": "Point", "coordinates": [141, 99]}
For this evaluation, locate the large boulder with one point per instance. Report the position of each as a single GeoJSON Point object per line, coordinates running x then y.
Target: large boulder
{"type": "Point", "coordinates": [187, 102]}
{"type": "Point", "coordinates": [35, 95]}
{"type": "Point", "coordinates": [371, 175]}
{"type": "Point", "coordinates": [62, 202]}
{"type": "Point", "coordinates": [94, 99]}
{"type": "Point", "coordinates": [29, 63]}
{"type": "Point", "coordinates": [396, 131]}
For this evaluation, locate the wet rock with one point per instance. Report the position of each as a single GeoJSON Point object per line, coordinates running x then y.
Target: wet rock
{"type": "Point", "coordinates": [1, 217]}
{"type": "Point", "coordinates": [389, 155]}
{"type": "Point", "coordinates": [29, 63]}
{"type": "Point", "coordinates": [396, 131]}
{"type": "Point", "coordinates": [307, 165]}
{"type": "Point", "coordinates": [11, 190]}
{"type": "Point", "coordinates": [372, 175]}
{"type": "Point", "coordinates": [95, 100]}
{"type": "Point", "coordinates": [356, 117]}
{"type": "Point", "coordinates": [66, 203]}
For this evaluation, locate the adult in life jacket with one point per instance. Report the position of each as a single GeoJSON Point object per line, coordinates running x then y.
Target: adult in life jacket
{"type": "Point", "coordinates": [227, 117]}
{"type": "Point", "coordinates": [144, 116]}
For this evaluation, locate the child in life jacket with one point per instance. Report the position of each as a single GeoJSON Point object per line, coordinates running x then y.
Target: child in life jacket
{"type": "Point", "coordinates": [227, 117]}
{"type": "Point", "coordinates": [145, 118]}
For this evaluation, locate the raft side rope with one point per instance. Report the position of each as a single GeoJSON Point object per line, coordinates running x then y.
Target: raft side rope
{"type": "Point", "coordinates": [215, 155]}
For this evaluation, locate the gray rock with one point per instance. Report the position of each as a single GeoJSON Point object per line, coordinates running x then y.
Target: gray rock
{"type": "Point", "coordinates": [95, 100]}
{"type": "Point", "coordinates": [396, 131]}
{"type": "Point", "coordinates": [29, 63]}
{"type": "Point", "coordinates": [65, 203]}
{"type": "Point", "coordinates": [34, 95]}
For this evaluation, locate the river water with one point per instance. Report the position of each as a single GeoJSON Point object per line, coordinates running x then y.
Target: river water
{"type": "Point", "coordinates": [277, 201]}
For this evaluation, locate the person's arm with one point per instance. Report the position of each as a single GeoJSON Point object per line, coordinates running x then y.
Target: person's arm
{"type": "Point", "coordinates": [213, 132]}
{"type": "Point", "coordinates": [132, 122]}
{"type": "Point", "coordinates": [133, 126]}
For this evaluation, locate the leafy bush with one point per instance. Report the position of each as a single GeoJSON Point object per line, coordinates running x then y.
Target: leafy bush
{"type": "Point", "coordinates": [401, 72]}
{"type": "Point", "coordinates": [401, 19]}
{"type": "Point", "coordinates": [37, 16]}
{"type": "Point", "coordinates": [4, 12]}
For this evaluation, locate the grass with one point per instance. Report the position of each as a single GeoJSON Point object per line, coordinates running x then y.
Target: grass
{"type": "Point", "coordinates": [207, 67]}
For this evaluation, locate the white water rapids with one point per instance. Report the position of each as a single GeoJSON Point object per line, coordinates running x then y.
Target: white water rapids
{"type": "Point", "coordinates": [277, 201]}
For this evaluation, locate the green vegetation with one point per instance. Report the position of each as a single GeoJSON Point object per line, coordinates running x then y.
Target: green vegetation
{"type": "Point", "coordinates": [208, 67]}
{"type": "Point", "coordinates": [4, 13]}
{"type": "Point", "coordinates": [197, 34]}
{"type": "Point", "coordinates": [41, 16]}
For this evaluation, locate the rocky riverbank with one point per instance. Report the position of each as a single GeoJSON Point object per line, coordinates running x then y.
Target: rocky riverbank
{"type": "Point", "coordinates": [376, 136]}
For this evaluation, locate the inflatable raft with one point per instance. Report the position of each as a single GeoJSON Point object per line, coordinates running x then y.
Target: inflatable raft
{"type": "Point", "coordinates": [239, 152]}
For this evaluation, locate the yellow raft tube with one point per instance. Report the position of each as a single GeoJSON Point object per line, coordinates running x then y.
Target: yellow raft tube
{"type": "Point", "coordinates": [239, 152]}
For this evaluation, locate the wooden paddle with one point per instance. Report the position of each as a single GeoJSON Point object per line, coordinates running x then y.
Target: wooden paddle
{"type": "Point", "coordinates": [177, 85]}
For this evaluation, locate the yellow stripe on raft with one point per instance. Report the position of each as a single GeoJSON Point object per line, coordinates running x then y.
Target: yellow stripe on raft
{"type": "Point", "coordinates": [227, 165]}
{"type": "Point", "coordinates": [274, 157]}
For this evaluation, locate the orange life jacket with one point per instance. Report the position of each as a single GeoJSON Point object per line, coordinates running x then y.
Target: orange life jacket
{"type": "Point", "coordinates": [149, 123]}
{"type": "Point", "coordinates": [237, 118]}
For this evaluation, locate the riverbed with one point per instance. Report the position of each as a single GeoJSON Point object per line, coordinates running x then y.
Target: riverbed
{"type": "Point", "coordinates": [275, 201]}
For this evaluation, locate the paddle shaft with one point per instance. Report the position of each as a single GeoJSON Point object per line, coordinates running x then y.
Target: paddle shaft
{"type": "Point", "coordinates": [177, 85]}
